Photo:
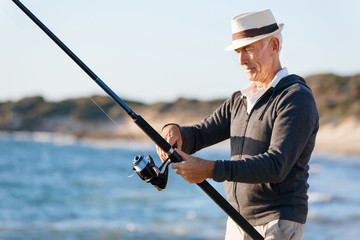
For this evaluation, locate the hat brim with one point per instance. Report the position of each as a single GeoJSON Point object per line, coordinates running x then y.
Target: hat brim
{"type": "Point", "coordinates": [246, 41]}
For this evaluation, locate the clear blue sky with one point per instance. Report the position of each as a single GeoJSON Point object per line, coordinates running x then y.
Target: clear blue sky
{"type": "Point", "coordinates": [162, 49]}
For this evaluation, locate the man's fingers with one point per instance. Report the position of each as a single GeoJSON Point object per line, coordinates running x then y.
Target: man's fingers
{"type": "Point", "coordinates": [180, 165]}
{"type": "Point", "coordinates": [182, 154]}
{"type": "Point", "coordinates": [163, 156]}
{"type": "Point", "coordinates": [171, 133]}
{"type": "Point", "coordinates": [179, 144]}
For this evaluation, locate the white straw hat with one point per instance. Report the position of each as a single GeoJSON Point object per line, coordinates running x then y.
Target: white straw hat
{"type": "Point", "coordinates": [251, 27]}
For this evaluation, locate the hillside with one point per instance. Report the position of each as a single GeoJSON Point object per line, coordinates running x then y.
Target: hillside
{"type": "Point", "coordinates": [338, 101]}
{"type": "Point", "coordinates": [337, 97]}
{"type": "Point", "coordinates": [83, 118]}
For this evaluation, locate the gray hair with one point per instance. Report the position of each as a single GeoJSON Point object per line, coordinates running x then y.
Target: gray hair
{"type": "Point", "coordinates": [278, 36]}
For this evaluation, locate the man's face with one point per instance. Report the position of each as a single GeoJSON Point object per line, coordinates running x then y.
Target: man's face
{"type": "Point", "coordinates": [257, 60]}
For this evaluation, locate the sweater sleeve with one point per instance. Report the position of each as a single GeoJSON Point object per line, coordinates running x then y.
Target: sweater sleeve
{"type": "Point", "coordinates": [211, 130]}
{"type": "Point", "coordinates": [292, 138]}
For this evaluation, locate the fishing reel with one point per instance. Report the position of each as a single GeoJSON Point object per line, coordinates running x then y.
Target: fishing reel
{"type": "Point", "coordinates": [149, 172]}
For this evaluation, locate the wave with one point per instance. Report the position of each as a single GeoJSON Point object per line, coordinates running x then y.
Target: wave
{"type": "Point", "coordinates": [319, 197]}
{"type": "Point", "coordinates": [67, 139]}
{"type": "Point", "coordinates": [46, 137]}
{"type": "Point", "coordinates": [93, 229]}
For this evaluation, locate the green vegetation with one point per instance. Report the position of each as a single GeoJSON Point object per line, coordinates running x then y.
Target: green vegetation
{"type": "Point", "coordinates": [30, 113]}
{"type": "Point", "coordinates": [337, 97]}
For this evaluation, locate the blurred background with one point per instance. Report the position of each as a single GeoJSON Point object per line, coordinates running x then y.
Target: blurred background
{"type": "Point", "coordinates": [64, 163]}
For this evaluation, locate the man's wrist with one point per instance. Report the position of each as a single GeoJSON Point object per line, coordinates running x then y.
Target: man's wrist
{"type": "Point", "coordinates": [168, 124]}
{"type": "Point", "coordinates": [210, 167]}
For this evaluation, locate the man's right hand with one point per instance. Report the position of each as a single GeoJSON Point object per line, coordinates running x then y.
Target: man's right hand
{"type": "Point", "coordinates": [171, 133]}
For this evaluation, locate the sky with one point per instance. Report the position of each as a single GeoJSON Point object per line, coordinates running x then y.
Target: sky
{"type": "Point", "coordinates": [161, 50]}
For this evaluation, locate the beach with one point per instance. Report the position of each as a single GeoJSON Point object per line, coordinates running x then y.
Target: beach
{"type": "Point", "coordinates": [342, 138]}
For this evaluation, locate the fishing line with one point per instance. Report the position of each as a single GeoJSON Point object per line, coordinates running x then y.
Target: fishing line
{"type": "Point", "coordinates": [36, 42]}
{"type": "Point", "coordinates": [30, 36]}
{"type": "Point", "coordinates": [118, 125]}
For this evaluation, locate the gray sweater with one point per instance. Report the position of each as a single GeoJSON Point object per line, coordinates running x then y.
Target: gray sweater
{"type": "Point", "coordinates": [266, 178]}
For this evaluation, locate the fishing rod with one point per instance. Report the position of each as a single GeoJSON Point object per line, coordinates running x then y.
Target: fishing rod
{"type": "Point", "coordinates": [145, 167]}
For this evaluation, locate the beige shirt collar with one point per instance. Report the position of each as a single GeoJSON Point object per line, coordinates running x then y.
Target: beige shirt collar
{"type": "Point", "coordinates": [253, 95]}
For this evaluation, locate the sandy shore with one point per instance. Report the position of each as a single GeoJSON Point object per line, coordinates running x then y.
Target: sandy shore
{"type": "Point", "coordinates": [343, 138]}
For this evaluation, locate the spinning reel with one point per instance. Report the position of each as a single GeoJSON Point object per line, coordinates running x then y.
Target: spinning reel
{"type": "Point", "coordinates": [149, 172]}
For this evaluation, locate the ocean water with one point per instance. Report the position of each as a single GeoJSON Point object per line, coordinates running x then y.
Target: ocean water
{"type": "Point", "coordinates": [57, 187]}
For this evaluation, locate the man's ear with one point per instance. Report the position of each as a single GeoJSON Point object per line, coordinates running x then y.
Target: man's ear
{"type": "Point", "coordinates": [274, 45]}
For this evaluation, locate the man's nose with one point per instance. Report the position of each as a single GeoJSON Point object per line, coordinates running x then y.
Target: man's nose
{"type": "Point", "coordinates": [242, 58]}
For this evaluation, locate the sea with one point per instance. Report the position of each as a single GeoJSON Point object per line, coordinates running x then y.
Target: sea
{"type": "Point", "coordinates": [58, 187]}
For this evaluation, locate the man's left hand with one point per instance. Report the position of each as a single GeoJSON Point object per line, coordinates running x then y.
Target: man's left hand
{"type": "Point", "coordinates": [193, 169]}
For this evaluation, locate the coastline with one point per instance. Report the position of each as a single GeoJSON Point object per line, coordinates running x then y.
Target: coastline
{"type": "Point", "coordinates": [342, 138]}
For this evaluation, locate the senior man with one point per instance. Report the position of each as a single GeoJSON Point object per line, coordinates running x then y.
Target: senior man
{"type": "Point", "coordinates": [272, 125]}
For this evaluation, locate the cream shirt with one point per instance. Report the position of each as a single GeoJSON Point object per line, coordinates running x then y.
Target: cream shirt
{"type": "Point", "coordinates": [253, 94]}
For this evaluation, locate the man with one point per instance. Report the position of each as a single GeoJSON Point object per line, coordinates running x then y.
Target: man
{"type": "Point", "coordinates": [272, 125]}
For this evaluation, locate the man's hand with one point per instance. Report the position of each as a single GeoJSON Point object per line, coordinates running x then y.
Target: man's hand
{"type": "Point", "coordinates": [193, 169]}
{"type": "Point", "coordinates": [171, 133]}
